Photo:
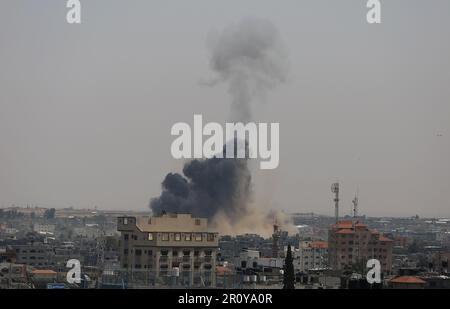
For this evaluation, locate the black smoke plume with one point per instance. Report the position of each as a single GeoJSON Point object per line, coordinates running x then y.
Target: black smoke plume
{"type": "Point", "coordinates": [205, 188]}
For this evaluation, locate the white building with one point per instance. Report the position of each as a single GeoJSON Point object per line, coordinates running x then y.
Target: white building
{"type": "Point", "coordinates": [311, 255]}
{"type": "Point", "coordinates": [252, 259]}
{"type": "Point", "coordinates": [44, 228]}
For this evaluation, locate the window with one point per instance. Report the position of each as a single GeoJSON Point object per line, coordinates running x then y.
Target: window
{"type": "Point", "coordinates": [175, 253]}
{"type": "Point", "coordinates": [125, 236]}
{"type": "Point", "coordinates": [210, 237]}
{"type": "Point", "coordinates": [125, 221]}
{"type": "Point", "coordinates": [150, 236]}
{"type": "Point", "coordinates": [165, 236]}
{"type": "Point", "coordinates": [198, 237]}
{"type": "Point", "coordinates": [125, 251]}
{"type": "Point", "coordinates": [138, 252]}
{"type": "Point", "coordinates": [177, 236]}
{"type": "Point", "coordinates": [187, 237]}
{"type": "Point", "coordinates": [197, 221]}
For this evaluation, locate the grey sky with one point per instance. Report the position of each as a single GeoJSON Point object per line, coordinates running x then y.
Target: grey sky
{"type": "Point", "coordinates": [86, 110]}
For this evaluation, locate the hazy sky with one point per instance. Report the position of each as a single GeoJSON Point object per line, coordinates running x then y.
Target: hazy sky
{"type": "Point", "coordinates": [86, 110]}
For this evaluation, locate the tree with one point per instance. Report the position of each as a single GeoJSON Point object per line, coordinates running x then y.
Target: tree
{"type": "Point", "coordinates": [50, 213]}
{"type": "Point", "coordinates": [288, 275]}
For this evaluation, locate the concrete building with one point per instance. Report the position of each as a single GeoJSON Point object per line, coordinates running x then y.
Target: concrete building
{"type": "Point", "coordinates": [88, 231]}
{"type": "Point", "coordinates": [351, 243]}
{"type": "Point", "coordinates": [172, 249]}
{"type": "Point", "coordinates": [311, 255]}
{"type": "Point", "coordinates": [247, 259]}
{"type": "Point", "coordinates": [41, 277]}
{"type": "Point", "coordinates": [44, 228]}
{"type": "Point", "coordinates": [13, 276]}
{"type": "Point", "coordinates": [37, 255]}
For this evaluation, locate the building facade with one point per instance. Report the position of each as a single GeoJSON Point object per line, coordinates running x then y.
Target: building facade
{"type": "Point", "coordinates": [351, 244]}
{"type": "Point", "coordinates": [312, 255]}
{"type": "Point", "coordinates": [37, 255]}
{"type": "Point", "coordinates": [171, 249]}
{"type": "Point", "coordinates": [44, 228]}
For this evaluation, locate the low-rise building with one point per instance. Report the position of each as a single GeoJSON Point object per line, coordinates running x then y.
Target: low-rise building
{"type": "Point", "coordinates": [44, 228]}
{"type": "Point", "coordinates": [311, 255]}
{"type": "Point", "coordinates": [37, 255]}
{"type": "Point", "coordinates": [406, 282]}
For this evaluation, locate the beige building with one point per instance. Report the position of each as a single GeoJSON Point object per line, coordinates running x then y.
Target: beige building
{"type": "Point", "coordinates": [311, 255]}
{"type": "Point", "coordinates": [173, 249]}
{"type": "Point", "coordinates": [351, 243]}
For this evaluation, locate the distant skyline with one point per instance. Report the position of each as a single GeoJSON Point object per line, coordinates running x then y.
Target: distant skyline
{"type": "Point", "coordinates": [140, 211]}
{"type": "Point", "coordinates": [86, 110]}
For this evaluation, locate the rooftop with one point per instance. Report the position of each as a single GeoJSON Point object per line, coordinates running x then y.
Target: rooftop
{"type": "Point", "coordinates": [43, 272]}
{"type": "Point", "coordinates": [169, 222]}
{"type": "Point", "coordinates": [319, 244]}
{"type": "Point", "coordinates": [407, 280]}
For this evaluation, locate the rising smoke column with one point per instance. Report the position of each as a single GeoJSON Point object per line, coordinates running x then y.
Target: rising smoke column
{"type": "Point", "coordinates": [207, 187]}
{"type": "Point", "coordinates": [250, 58]}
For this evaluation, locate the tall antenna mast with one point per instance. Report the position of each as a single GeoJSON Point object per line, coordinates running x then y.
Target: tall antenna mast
{"type": "Point", "coordinates": [335, 190]}
{"type": "Point", "coordinates": [355, 205]}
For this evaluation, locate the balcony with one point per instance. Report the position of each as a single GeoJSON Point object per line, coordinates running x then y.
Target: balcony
{"type": "Point", "coordinates": [163, 258]}
{"type": "Point", "coordinates": [203, 259]}
{"type": "Point", "coordinates": [186, 259]}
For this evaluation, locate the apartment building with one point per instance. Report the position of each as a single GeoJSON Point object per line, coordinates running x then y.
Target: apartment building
{"type": "Point", "coordinates": [352, 244]}
{"type": "Point", "coordinates": [169, 249]}
{"type": "Point", "coordinates": [311, 255]}
{"type": "Point", "coordinates": [44, 228]}
{"type": "Point", "coordinates": [38, 255]}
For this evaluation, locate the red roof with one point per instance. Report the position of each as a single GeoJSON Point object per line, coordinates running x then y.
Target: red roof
{"type": "Point", "coordinates": [407, 280]}
{"type": "Point", "coordinates": [345, 231]}
{"type": "Point", "coordinates": [359, 225]}
{"type": "Point", "coordinates": [344, 224]}
{"type": "Point", "coordinates": [385, 239]}
{"type": "Point", "coordinates": [43, 272]}
{"type": "Point", "coordinates": [319, 244]}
